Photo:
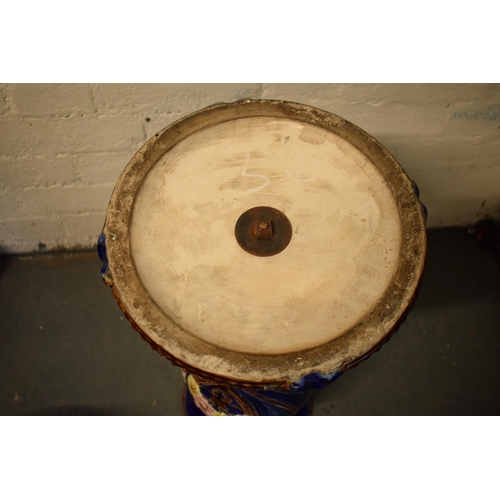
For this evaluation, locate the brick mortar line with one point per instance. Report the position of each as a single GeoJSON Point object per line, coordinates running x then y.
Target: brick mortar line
{"type": "Point", "coordinates": [77, 184]}
{"type": "Point", "coordinates": [60, 118]}
{"type": "Point", "coordinates": [57, 218]}
{"type": "Point", "coordinates": [8, 101]}
{"type": "Point", "coordinates": [73, 185]}
{"type": "Point", "coordinates": [92, 99]}
{"type": "Point", "coordinates": [73, 250]}
{"type": "Point", "coordinates": [4, 100]}
{"type": "Point", "coordinates": [72, 154]}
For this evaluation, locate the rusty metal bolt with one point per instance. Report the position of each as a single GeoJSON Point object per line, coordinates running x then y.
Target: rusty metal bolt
{"type": "Point", "coordinates": [263, 230]}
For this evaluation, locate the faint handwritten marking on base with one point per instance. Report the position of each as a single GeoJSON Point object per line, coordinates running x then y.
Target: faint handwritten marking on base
{"type": "Point", "coordinates": [257, 176]}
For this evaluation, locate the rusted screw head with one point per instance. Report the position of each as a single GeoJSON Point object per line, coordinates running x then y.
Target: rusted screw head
{"type": "Point", "coordinates": [263, 231]}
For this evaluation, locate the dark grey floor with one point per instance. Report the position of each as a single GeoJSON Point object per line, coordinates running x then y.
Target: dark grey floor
{"type": "Point", "coordinates": [66, 349]}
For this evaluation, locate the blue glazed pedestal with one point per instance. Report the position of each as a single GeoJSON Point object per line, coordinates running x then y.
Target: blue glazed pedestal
{"type": "Point", "coordinates": [204, 397]}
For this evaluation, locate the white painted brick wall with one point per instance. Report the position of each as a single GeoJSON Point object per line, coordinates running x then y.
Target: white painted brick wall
{"type": "Point", "coordinates": [46, 100]}
{"type": "Point", "coordinates": [101, 168]}
{"type": "Point", "coordinates": [42, 171]}
{"type": "Point", "coordinates": [62, 147]}
{"type": "Point", "coordinates": [32, 234]}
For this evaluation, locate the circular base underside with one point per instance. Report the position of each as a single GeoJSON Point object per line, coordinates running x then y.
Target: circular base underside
{"type": "Point", "coordinates": [333, 294]}
{"type": "Point", "coordinates": [340, 259]}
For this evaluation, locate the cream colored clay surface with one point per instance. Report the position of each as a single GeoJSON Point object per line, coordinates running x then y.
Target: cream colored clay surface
{"type": "Point", "coordinates": [340, 260]}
